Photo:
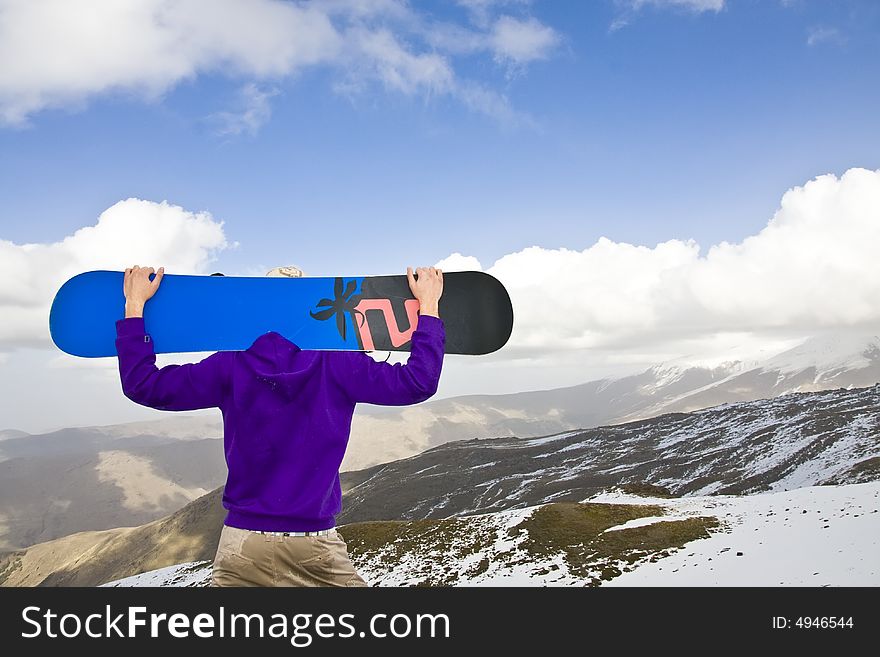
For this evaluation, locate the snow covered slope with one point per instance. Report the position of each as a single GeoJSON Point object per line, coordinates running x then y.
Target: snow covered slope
{"type": "Point", "coordinates": [817, 536]}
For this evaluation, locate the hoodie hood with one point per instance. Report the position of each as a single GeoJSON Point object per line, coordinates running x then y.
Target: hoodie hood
{"type": "Point", "coordinates": [279, 363]}
{"type": "Point", "coordinates": [274, 350]}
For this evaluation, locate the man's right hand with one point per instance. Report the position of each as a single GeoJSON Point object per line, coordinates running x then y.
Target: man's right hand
{"type": "Point", "coordinates": [138, 288]}
{"type": "Point", "coordinates": [427, 288]}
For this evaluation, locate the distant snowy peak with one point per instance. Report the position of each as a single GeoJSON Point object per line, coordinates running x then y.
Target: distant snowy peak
{"type": "Point", "coordinates": [828, 354]}
{"type": "Point", "coordinates": [664, 375]}
{"type": "Point", "coordinates": [825, 362]}
{"type": "Point", "coordinates": [825, 353]}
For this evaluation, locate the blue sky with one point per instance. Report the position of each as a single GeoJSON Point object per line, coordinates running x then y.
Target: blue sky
{"type": "Point", "coordinates": [395, 134]}
{"type": "Point", "coordinates": [677, 125]}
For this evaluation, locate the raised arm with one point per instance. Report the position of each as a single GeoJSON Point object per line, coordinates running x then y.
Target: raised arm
{"type": "Point", "coordinates": [366, 380]}
{"type": "Point", "coordinates": [173, 387]}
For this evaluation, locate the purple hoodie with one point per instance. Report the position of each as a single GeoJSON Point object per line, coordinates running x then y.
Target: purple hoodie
{"type": "Point", "coordinates": [286, 413]}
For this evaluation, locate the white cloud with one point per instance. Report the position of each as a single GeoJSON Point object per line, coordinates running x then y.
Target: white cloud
{"type": "Point", "coordinates": [396, 67]}
{"type": "Point", "coordinates": [813, 267]}
{"type": "Point", "coordinates": [58, 52]}
{"type": "Point", "coordinates": [64, 53]}
{"type": "Point", "coordinates": [459, 262]}
{"type": "Point", "coordinates": [696, 6]}
{"type": "Point", "coordinates": [630, 7]}
{"type": "Point", "coordinates": [819, 35]}
{"type": "Point", "coordinates": [131, 232]}
{"type": "Point", "coordinates": [522, 41]}
{"type": "Point", "coordinates": [253, 112]}
{"type": "Point", "coordinates": [510, 40]}
{"type": "Point", "coordinates": [380, 56]}
{"type": "Point", "coordinates": [365, 8]}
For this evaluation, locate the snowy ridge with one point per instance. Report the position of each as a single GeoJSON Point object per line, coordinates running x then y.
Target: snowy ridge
{"type": "Point", "coordinates": [828, 354]}
{"type": "Point", "coordinates": [824, 362]}
{"type": "Point", "coordinates": [776, 444]}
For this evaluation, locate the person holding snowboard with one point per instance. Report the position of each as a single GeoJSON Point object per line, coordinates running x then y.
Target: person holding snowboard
{"type": "Point", "coordinates": [286, 421]}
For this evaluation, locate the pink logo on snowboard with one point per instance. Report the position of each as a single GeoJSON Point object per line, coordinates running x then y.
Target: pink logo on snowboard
{"type": "Point", "coordinates": [397, 336]}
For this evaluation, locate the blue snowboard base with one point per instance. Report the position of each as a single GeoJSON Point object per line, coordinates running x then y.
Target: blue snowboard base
{"type": "Point", "coordinates": [215, 313]}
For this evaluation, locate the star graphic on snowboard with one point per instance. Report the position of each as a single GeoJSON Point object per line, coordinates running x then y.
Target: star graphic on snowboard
{"type": "Point", "coordinates": [344, 301]}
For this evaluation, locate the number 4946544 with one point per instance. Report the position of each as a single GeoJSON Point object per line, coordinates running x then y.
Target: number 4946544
{"type": "Point", "coordinates": [823, 622]}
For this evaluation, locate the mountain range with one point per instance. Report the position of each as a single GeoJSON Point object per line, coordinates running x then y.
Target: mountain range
{"type": "Point", "coordinates": [95, 478]}
{"type": "Point", "coordinates": [789, 443]}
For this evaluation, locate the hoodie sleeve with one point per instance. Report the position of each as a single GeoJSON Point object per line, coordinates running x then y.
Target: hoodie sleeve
{"type": "Point", "coordinates": [173, 387]}
{"type": "Point", "coordinates": [366, 380]}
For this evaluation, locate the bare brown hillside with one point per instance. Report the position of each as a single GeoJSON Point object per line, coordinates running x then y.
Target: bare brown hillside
{"type": "Point", "coordinates": [92, 558]}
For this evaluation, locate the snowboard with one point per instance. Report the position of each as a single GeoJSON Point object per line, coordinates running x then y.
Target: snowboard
{"type": "Point", "coordinates": [218, 313]}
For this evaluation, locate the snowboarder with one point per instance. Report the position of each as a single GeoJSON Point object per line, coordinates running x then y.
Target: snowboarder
{"type": "Point", "coordinates": [286, 422]}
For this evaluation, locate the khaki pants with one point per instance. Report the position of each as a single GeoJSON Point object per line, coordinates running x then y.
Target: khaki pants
{"type": "Point", "coordinates": [246, 558]}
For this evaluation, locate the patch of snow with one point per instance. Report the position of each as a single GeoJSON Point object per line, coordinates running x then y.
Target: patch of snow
{"type": "Point", "coordinates": [191, 574]}
{"type": "Point", "coordinates": [663, 375]}
{"type": "Point", "coordinates": [818, 536]}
